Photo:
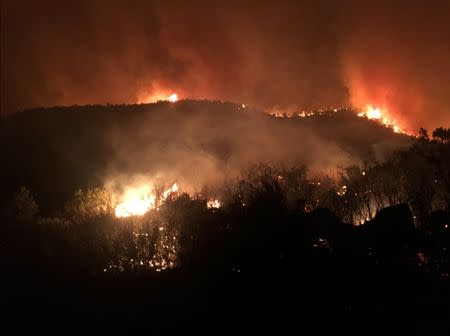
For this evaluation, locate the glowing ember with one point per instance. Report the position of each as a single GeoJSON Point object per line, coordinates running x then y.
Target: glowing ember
{"type": "Point", "coordinates": [342, 191]}
{"type": "Point", "coordinates": [213, 204]}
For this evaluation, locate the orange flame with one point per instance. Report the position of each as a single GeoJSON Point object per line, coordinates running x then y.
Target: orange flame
{"type": "Point", "coordinates": [381, 116]}
{"type": "Point", "coordinates": [138, 201]}
{"type": "Point", "coordinates": [213, 204]}
{"type": "Point", "coordinates": [373, 112]}
{"type": "Point", "coordinates": [173, 98]}
{"type": "Point", "coordinates": [158, 96]}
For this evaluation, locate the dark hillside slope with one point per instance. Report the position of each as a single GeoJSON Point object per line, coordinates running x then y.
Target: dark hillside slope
{"type": "Point", "coordinates": [54, 151]}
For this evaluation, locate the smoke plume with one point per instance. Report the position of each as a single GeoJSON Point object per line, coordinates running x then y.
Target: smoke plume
{"type": "Point", "coordinates": [264, 53]}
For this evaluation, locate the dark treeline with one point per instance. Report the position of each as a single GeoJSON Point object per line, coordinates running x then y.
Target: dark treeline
{"type": "Point", "coordinates": [283, 251]}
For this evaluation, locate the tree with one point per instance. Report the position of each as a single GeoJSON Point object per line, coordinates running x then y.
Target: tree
{"type": "Point", "coordinates": [441, 135]}
{"type": "Point", "coordinates": [90, 203]}
{"type": "Point", "coordinates": [423, 134]}
{"type": "Point", "coordinates": [24, 205]}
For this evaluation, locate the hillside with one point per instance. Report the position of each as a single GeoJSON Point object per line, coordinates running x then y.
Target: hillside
{"type": "Point", "coordinates": [55, 151]}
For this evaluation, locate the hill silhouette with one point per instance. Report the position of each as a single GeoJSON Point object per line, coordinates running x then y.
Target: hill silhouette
{"type": "Point", "coordinates": [55, 151]}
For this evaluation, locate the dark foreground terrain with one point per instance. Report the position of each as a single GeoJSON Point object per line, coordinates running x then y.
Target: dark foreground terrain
{"type": "Point", "coordinates": [284, 253]}
{"type": "Point", "coordinates": [311, 272]}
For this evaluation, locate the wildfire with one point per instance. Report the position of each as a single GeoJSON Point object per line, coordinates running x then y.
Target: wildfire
{"type": "Point", "coordinates": [135, 202]}
{"type": "Point", "coordinates": [377, 114]}
{"type": "Point", "coordinates": [373, 112]}
{"type": "Point", "coordinates": [157, 97]}
{"type": "Point", "coordinates": [213, 204]}
{"type": "Point", "coordinates": [173, 98]}
{"type": "Point", "coordinates": [166, 193]}
{"type": "Point", "coordinates": [138, 201]}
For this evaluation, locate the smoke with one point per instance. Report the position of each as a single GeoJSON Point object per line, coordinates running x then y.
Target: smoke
{"type": "Point", "coordinates": [264, 53]}
{"type": "Point", "coordinates": [398, 57]}
{"type": "Point", "coordinates": [205, 145]}
{"type": "Point", "coordinates": [99, 52]}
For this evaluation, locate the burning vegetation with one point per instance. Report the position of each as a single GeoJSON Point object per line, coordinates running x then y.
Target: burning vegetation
{"type": "Point", "coordinates": [158, 96]}
{"type": "Point", "coordinates": [159, 210]}
{"type": "Point", "coordinates": [375, 114]}
{"type": "Point", "coordinates": [187, 222]}
{"type": "Point", "coordinates": [379, 115]}
{"type": "Point", "coordinates": [146, 227]}
{"type": "Point", "coordinates": [140, 200]}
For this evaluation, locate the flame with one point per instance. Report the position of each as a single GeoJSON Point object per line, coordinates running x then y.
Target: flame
{"type": "Point", "coordinates": [135, 202]}
{"type": "Point", "coordinates": [173, 98]}
{"type": "Point", "coordinates": [138, 201]}
{"type": "Point", "coordinates": [157, 97]}
{"type": "Point", "coordinates": [213, 204]}
{"type": "Point", "coordinates": [377, 114]}
{"type": "Point", "coordinates": [373, 112]}
{"type": "Point", "coordinates": [381, 116]}
{"type": "Point", "coordinates": [166, 193]}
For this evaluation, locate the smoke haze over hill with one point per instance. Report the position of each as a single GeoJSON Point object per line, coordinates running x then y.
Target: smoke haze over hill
{"type": "Point", "coordinates": [194, 143]}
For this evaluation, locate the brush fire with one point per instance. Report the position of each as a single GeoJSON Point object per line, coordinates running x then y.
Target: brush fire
{"type": "Point", "coordinates": [380, 115]}
{"type": "Point", "coordinates": [376, 114]}
{"type": "Point", "coordinates": [158, 96]}
{"type": "Point", "coordinates": [138, 201]}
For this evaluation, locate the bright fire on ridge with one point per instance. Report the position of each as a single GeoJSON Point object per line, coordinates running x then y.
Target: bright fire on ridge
{"type": "Point", "coordinates": [373, 112]}
{"type": "Point", "coordinates": [173, 98]}
{"type": "Point", "coordinates": [138, 201]}
{"type": "Point", "coordinates": [377, 114]}
{"type": "Point", "coordinates": [157, 97]}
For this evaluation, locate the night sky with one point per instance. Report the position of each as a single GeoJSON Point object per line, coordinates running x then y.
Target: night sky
{"type": "Point", "coordinates": [264, 53]}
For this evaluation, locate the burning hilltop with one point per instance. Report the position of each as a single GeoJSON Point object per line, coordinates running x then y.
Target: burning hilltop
{"type": "Point", "coordinates": [376, 114]}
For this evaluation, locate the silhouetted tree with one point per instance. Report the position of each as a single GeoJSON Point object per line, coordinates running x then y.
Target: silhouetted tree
{"type": "Point", "coordinates": [90, 203]}
{"type": "Point", "coordinates": [441, 135]}
{"type": "Point", "coordinates": [24, 206]}
{"type": "Point", "coordinates": [423, 134]}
